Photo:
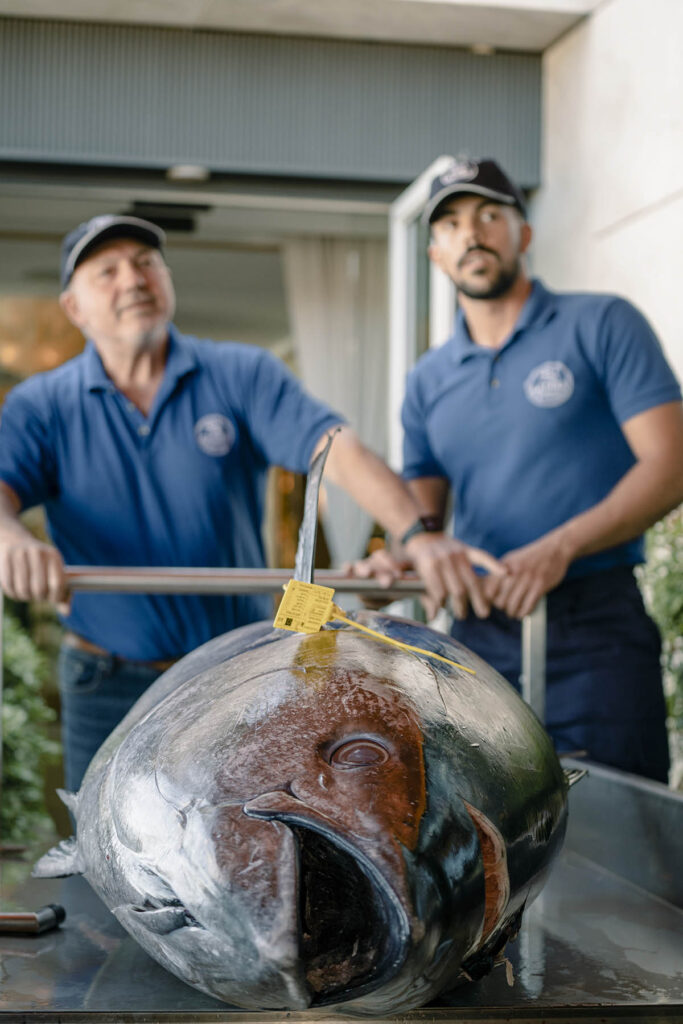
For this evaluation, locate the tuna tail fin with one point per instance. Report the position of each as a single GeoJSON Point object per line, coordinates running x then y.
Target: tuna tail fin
{"type": "Point", "coordinates": [574, 775]}
{"type": "Point", "coordinates": [64, 859]}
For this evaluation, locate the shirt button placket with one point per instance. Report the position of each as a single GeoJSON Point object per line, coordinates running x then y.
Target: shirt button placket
{"type": "Point", "coordinates": [494, 382]}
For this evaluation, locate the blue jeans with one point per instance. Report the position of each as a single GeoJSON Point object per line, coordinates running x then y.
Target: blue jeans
{"type": "Point", "coordinates": [603, 676]}
{"type": "Point", "coordinates": [96, 693]}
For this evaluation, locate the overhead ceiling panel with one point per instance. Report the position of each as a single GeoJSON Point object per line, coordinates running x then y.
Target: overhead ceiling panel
{"type": "Point", "coordinates": [123, 96]}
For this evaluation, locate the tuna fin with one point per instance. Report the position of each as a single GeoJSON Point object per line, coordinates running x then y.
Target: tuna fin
{"type": "Point", "coordinates": [496, 874]}
{"type": "Point", "coordinates": [160, 920]}
{"type": "Point", "coordinates": [483, 960]}
{"type": "Point", "coordinates": [69, 799]}
{"type": "Point", "coordinates": [305, 552]}
{"type": "Point", "coordinates": [574, 775]}
{"type": "Point", "coordinates": [60, 861]}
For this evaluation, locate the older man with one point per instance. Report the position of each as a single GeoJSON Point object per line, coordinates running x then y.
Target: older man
{"type": "Point", "coordinates": [151, 449]}
{"type": "Point", "coordinates": [556, 422]}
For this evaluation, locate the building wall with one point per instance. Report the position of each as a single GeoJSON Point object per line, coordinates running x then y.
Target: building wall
{"type": "Point", "coordinates": [609, 214]}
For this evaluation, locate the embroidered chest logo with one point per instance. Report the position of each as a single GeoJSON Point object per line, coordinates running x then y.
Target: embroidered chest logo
{"type": "Point", "coordinates": [549, 385]}
{"type": "Point", "coordinates": [214, 434]}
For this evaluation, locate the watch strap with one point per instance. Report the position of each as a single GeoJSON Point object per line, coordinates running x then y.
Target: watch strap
{"type": "Point", "coordinates": [424, 524]}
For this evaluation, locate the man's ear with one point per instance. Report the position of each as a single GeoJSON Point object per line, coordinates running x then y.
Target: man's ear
{"type": "Point", "coordinates": [435, 254]}
{"type": "Point", "coordinates": [69, 303]}
{"type": "Point", "coordinates": [526, 234]}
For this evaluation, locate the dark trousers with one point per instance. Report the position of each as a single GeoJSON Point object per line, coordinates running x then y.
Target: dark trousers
{"type": "Point", "coordinates": [96, 692]}
{"type": "Point", "coordinates": [603, 676]}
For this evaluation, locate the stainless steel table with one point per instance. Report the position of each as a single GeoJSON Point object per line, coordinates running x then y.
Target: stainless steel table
{"type": "Point", "coordinates": [604, 941]}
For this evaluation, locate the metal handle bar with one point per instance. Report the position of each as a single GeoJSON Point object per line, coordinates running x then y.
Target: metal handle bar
{"type": "Point", "coordinates": [134, 580]}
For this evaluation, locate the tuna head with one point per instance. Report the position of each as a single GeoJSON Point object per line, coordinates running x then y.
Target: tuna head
{"type": "Point", "coordinates": [266, 831]}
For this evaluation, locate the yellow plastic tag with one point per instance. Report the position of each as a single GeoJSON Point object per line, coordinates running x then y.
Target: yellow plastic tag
{"type": "Point", "coordinates": [305, 607]}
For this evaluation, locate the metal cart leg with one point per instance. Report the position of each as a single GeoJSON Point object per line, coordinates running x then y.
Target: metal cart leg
{"type": "Point", "coordinates": [534, 631]}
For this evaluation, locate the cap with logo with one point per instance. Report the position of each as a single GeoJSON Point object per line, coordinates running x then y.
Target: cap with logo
{"type": "Point", "coordinates": [87, 236]}
{"type": "Point", "coordinates": [480, 177]}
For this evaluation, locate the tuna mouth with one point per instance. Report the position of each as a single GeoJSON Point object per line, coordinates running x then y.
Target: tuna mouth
{"type": "Point", "coordinates": [353, 933]}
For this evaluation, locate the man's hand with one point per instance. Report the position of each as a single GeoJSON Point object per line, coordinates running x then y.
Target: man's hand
{"type": "Point", "coordinates": [32, 571]}
{"type": "Point", "coordinates": [445, 565]}
{"type": "Point", "coordinates": [531, 572]}
{"type": "Point", "coordinates": [29, 569]}
{"type": "Point", "coordinates": [382, 566]}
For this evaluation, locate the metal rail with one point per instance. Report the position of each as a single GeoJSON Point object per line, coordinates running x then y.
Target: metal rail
{"type": "Point", "coordinates": [133, 580]}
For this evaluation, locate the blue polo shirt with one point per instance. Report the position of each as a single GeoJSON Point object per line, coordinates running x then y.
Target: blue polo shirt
{"type": "Point", "coordinates": [183, 486]}
{"type": "Point", "coordinates": [529, 434]}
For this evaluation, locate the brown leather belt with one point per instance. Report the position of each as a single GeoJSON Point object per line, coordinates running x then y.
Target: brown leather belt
{"type": "Point", "coordinates": [79, 643]}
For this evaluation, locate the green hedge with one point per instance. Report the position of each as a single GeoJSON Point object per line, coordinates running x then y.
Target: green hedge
{"type": "Point", "coordinates": [26, 746]}
{"type": "Point", "coordinates": [661, 581]}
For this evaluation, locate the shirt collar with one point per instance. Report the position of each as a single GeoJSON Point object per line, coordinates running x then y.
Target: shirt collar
{"type": "Point", "coordinates": [536, 312]}
{"type": "Point", "coordinates": [180, 360]}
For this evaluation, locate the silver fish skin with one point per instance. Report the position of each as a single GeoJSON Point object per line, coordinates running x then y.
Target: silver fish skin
{"type": "Point", "coordinates": [288, 821]}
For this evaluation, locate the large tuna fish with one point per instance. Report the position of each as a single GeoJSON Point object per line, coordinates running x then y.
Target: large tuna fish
{"type": "Point", "coordinates": [289, 820]}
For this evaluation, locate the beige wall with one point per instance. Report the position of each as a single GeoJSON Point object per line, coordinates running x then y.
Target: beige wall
{"type": "Point", "coordinates": [609, 216]}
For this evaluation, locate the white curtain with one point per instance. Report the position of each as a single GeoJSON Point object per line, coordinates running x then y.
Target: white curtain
{"type": "Point", "coordinates": [337, 298]}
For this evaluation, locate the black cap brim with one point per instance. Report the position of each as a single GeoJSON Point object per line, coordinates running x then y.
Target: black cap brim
{"type": "Point", "coordinates": [466, 187]}
{"type": "Point", "coordinates": [117, 227]}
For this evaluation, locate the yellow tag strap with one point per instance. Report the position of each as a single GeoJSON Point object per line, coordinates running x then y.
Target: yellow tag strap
{"type": "Point", "coordinates": [338, 613]}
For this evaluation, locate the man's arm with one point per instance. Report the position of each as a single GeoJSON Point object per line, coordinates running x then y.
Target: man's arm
{"type": "Point", "coordinates": [650, 489]}
{"type": "Point", "coordinates": [29, 569]}
{"type": "Point", "coordinates": [443, 563]}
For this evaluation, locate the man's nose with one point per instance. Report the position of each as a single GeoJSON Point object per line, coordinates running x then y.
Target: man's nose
{"type": "Point", "coordinates": [471, 232]}
{"type": "Point", "coordinates": [130, 275]}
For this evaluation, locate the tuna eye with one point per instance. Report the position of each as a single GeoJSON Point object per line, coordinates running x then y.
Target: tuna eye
{"type": "Point", "coordinates": [358, 753]}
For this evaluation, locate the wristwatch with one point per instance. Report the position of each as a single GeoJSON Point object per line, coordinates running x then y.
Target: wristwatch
{"type": "Point", "coordinates": [425, 524]}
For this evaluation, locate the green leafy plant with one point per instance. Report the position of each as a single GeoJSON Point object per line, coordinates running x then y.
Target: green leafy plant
{"type": "Point", "coordinates": [26, 746]}
{"type": "Point", "coordinates": [661, 581]}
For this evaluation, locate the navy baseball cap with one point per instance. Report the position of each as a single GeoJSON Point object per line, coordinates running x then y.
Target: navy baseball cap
{"type": "Point", "coordinates": [481, 177]}
{"type": "Point", "coordinates": [87, 236]}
